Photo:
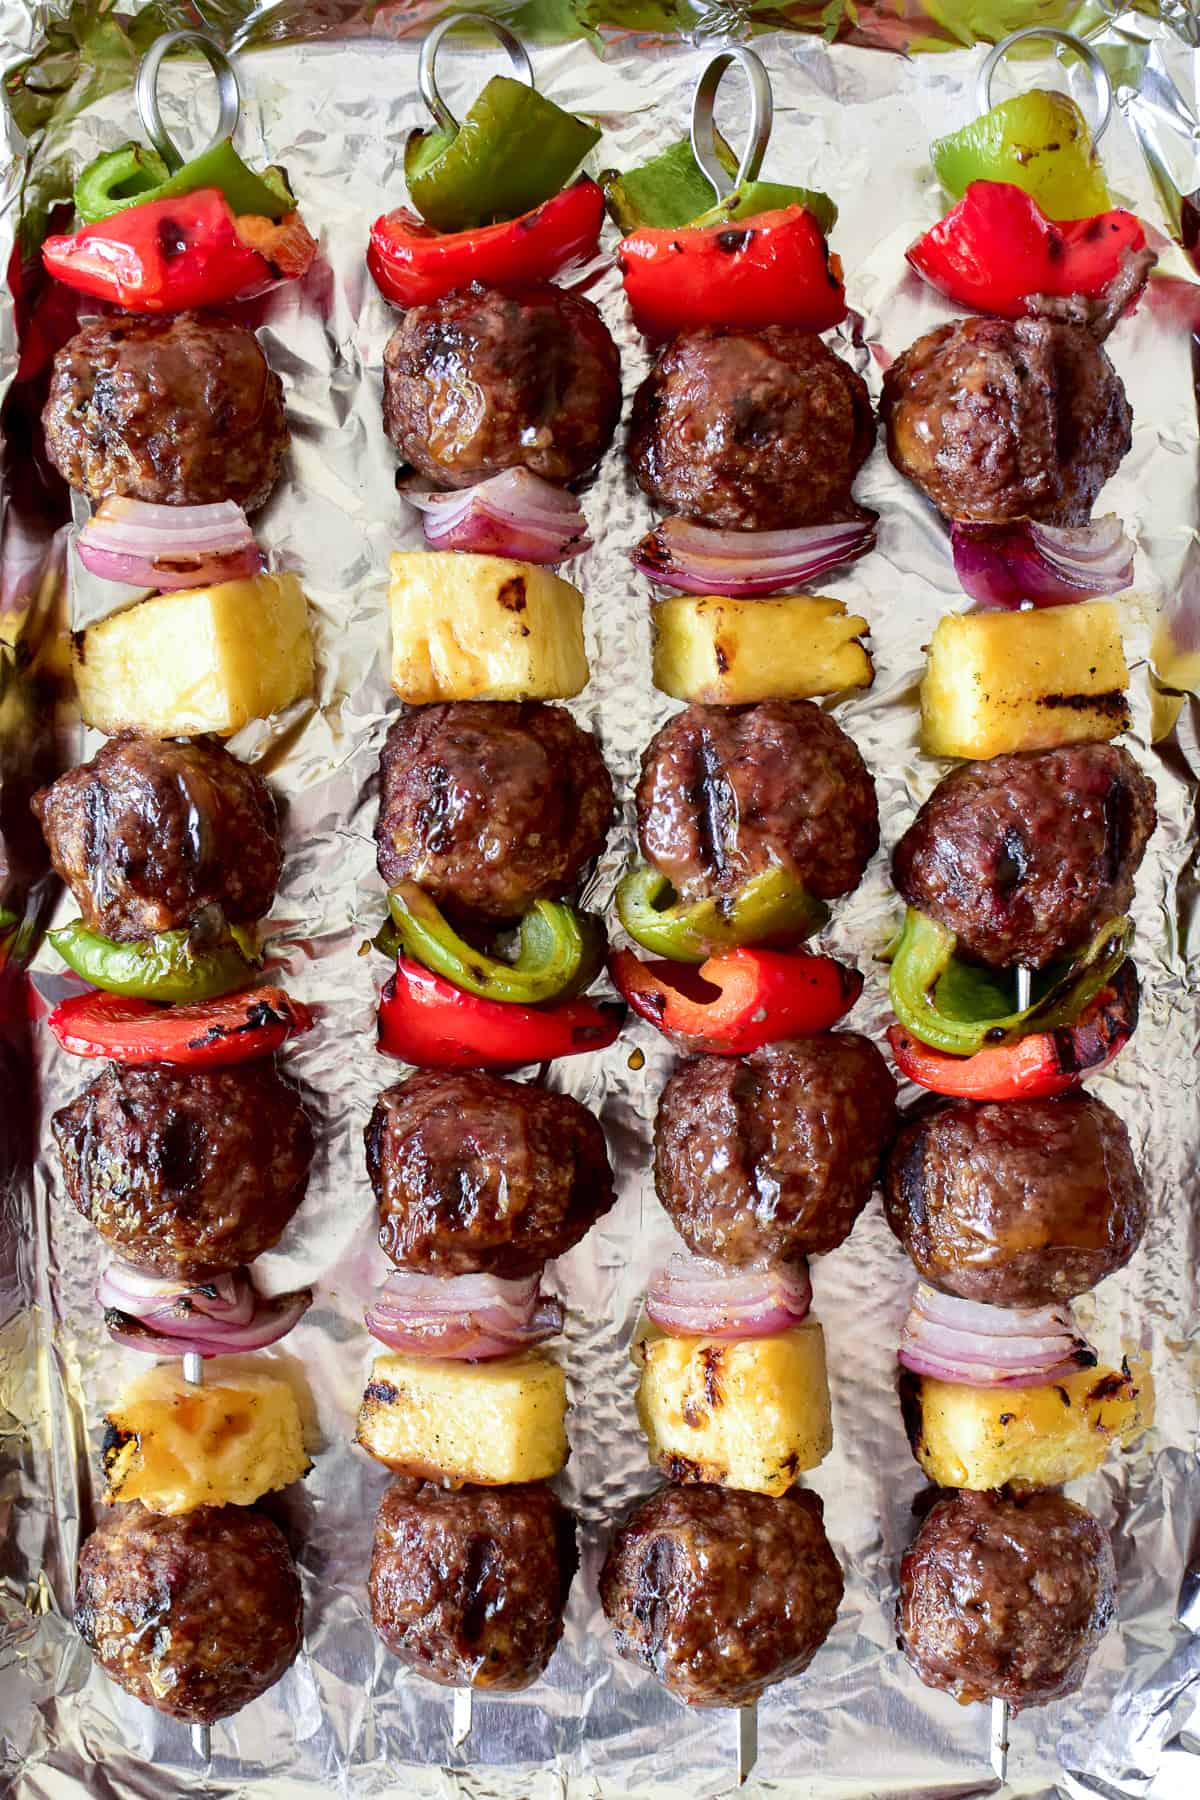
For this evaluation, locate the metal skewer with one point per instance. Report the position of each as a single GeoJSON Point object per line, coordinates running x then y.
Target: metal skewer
{"type": "Point", "coordinates": [747, 1744]}
{"type": "Point", "coordinates": [1024, 987]}
{"type": "Point", "coordinates": [999, 1744]}
{"type": "Point", "coordinates": [461, 1720]}
{"type": "Point", "coordinates": [146, 93]}
{"type": "Point", "coordinates": [508, 40]}
{"type": "Point", "coordinates": [703, 130]}
{"type": "Point", "coordinates": [193, 1372]}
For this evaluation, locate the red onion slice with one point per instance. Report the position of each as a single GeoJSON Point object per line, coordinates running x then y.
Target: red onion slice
{"type": "Point", "coordinates": [1003, 566]}
{"type": "Point", "coordinates": [168, 547]}
{"type": "Point", "coordinates": [747, 564]}
{"type": "Point", "coordinates": [165, 1318]}
{"type": "Point", "coordinates": [692, 1296]}
{"type": "Point", "coordinates": [229, 1299]}
{"type": "Point", "coordinates": [974, 1345]}
{"type": "Point", "coordinates": [467, 1318]}
{"type": "Point", "coordinates": [512, 514]}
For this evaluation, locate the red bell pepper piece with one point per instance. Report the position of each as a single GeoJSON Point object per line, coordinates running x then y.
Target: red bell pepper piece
{"type": "Point", "coordinates": [1035, 1067]}
{"type": "Point", "coordinates": [203, 1034]}
{"type": "Point", "coordinates": [997, 247]}
{"type": "Point", "coordinates": [773, 269]}
{"type": "Point", "coordinates": [412, 264]}
{"type": "Point", "coordinates": [425, 1019]}
{"type": "Point", "coordinates": [739, 1000]}
{"type": "Point", "coordinates": [163, 257]}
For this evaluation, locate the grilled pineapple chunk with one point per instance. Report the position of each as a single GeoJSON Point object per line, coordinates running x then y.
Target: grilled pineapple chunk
{"type": "Point", "coordinates": [743, 1413]}
{"type": "Point", "coordinates": [718, 652]}
{"type": "Point", "coordinates": [483, 628]}
{"type": "Point", "coordinates": [175, 1447]}
{"type": "Point", "coordinates": [966, 1437]}
{"type": "Point", "coordinates": [490, 1422]}
{"type": "Point", "coordinates": [200, 660]}
{"type": "Point", "coordinates": [1003, 681]}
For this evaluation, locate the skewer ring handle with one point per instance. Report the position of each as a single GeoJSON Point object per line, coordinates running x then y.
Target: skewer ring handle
{"type": "Point", "coordinates": [508, 40]}
{"type": "Point", "coordinates": [146, 93]}
{"type": "Point", "coordinates": [1102, 89]}
{"type": "Point", "coordinates": [762, 112]}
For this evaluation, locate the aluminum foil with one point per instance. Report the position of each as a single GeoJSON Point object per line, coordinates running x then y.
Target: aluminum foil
{"type": "Point", "coordinates": [347, 1719]}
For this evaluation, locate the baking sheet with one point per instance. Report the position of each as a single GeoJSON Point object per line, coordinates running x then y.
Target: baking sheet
{"type": "Point", "coordinates": [346, 1718]}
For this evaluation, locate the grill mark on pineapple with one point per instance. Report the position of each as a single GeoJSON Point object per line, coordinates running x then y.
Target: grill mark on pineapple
{"type": "Point", "coordinates": [712, 1359]}
{"type": "Point", "coordinates": [511, 596]}
{"type": "Point", "coordinates": [683, 1468]}
{"type": "Point", "coordinates": [1113, 703]}
{"type": "Point", "coordinates": [381, 1393]}
{"type": "Point", "coordinates": [1107, 1388]}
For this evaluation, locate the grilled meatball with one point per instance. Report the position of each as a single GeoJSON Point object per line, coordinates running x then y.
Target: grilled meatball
{"type": "Point", "coordinates": [1022, 1204]}
{"type": "Point", "coordinates": [491, 807]}
{"type": "Point", "coordinates": [195, 1614]}
{"type": "Point", "coordinates": [725, 791]}
{"type": "Point", "coordinates": [751, 430]}
{"type": "Point", "coordinates": [151, 833]}
{"type": "Point", "coordinates": [998, 419]}
{"type": "Point", "coordinates": [480, 381]}
{"type": "Point", "coordinates": [722, 1593]}
{"type": "Point", "coordinates": [1024, 857]}
{"type": "Point", "coordinates": [476, 1175]}
{"type": "Point", "coordinates": [1006, 1596]}
{"type": "Point", "coordinates": [468, 1587]}
{"type": "Point", "coordinates": [182, 411]}
{"type": "Point", "coordinates": [775, 1154]}
{"type": "Point", "coordinates": [186, 1173]}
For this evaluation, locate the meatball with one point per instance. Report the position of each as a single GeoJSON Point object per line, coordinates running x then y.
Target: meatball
{"type": "Point", "coordinates": [181, 411]}
{"type": "Point", "coordinates": [1022, 1204]}
{"type": "Point", "coordinates": [1005, 1596]}
{"type": "Point", "coordinates": [1025, 857]}
{"type": "Point", "coordinates": [468, 1586]}
{"type": "Point", "coordinates": [195, 1614]}
{"type": "Point", "coordinates": [491, 807]}
{"type": "Point", "coordinates": [998, 419]}
{"type": "Point", "coordinates": [481, 381]}
{"type": "Point", "coordinates": [722, 1593]}
{"type": "Point", "coordinates": [751, 430]}
{"type": "Point", "coordinates": [726, 791]}
{"type": "Point", "coordinates": [186, 1173]}
{"type": "Point", "coordinates": [476, 1175]}
{"type": "Point", "coordinates": [151, 833]}
{"type": "Point", "coordinates": [773, 1155]}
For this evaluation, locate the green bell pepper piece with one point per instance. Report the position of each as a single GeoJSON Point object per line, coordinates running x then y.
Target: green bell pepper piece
{"type": "Point", "coordinates": [961, 1007]}
{"type": "Point", "coordinates": [513, 150]}
{"type": "Point", "coordinates": [668, 191]}
{"type": "Point", "coordinates": [133, 174]}
{"type": "Point", "coordinates": [767, 196]}
{"type": "Point", "coordinates": [174, 965]}
{"type": "Point", "coordinates": [771, 908]}
{"type": "Point", "coordinates": [560, 951]}
{"type": "Point", "coordinates": [1038, 141]}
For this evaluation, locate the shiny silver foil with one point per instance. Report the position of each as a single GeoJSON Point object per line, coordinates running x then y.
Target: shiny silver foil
{"type": "Point", "coordinates": [347, 1719]}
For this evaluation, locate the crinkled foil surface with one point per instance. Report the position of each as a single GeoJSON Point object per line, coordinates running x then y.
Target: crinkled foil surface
{"type": "Point", "coordinates": [346, 1719]}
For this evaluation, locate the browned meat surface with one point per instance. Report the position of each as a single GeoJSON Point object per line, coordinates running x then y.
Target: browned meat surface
{"type": "Point", "coordinates": [186, 1173]}
{"type": "Point", "coordinates": [195, 1614]}
{"type": "Point", "coordinates": [181, 411]}
{"type": "Point", "coordinates": [1025, 857]}
{"type": "Point", "coordinates": [481, 381]}
{"type": "Point", "coordinates": [751, 430]}
{"type": "Point", "coordinates": [722, 1593]}
{"type": "Point", "coordinates": [996, 419]}
{"type": "Point", "coordinates": [490, 806]}
{"type": "Point", "coordinates": [150, 833]}
{"type": "Point", "coordinates": [476, 1175]}
{"type": "Point", "coordinates": [775, 1154]}
{"type": "Point", "coordinates": [725, 791]}
{"type": "Point", "coordinates": [468, 1587]}
{"type": "Point", "coordinates": [1022, 1204]}
{"type": "Point", "coordinates": [1006, 1596]}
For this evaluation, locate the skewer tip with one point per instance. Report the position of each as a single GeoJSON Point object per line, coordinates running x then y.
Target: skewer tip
{"type": "Point", "coordinates": [202, 1742]}
{"type": "Point", "coordinates": [999, 1743]}
{"type": "Point", "coordinates": [460, 1724]}
{"type": "Point", "coordinates": [1024, 987]}
{"type": "Point", "coordinates": [747, 1741]}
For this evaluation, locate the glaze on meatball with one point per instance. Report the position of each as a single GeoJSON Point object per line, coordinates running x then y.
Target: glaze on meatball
{"type": "Point", "coordinates": [476, 1175]}
{"type": "Point", "coordinates": [491, 806]}
{"type": "Point", "coordinates": [482, 381]}
{"type": "Point", "coordinates": [727, 791]}
{"type": "Point", "coordinates": [773, 1155]}
{"type": "Point", "coordinates": [181, 412]}
{"type": "Point", "coordinates": [1005, 1596]}
{"type": "Point", "coordinates": [722, 1593]}
{"type": "Point", "coordinates": [468, 1586]}
{"type": "Point", "coordinates": [751, 430]}
{"type": "Point", "coordinates": [195, 1614]}
{"type": "Point", "coordinates": [1025, 857]}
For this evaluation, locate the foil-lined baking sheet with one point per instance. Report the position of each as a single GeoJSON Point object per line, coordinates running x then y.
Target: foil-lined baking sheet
{"type": "Point", "coordinates": [347, 1719]}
